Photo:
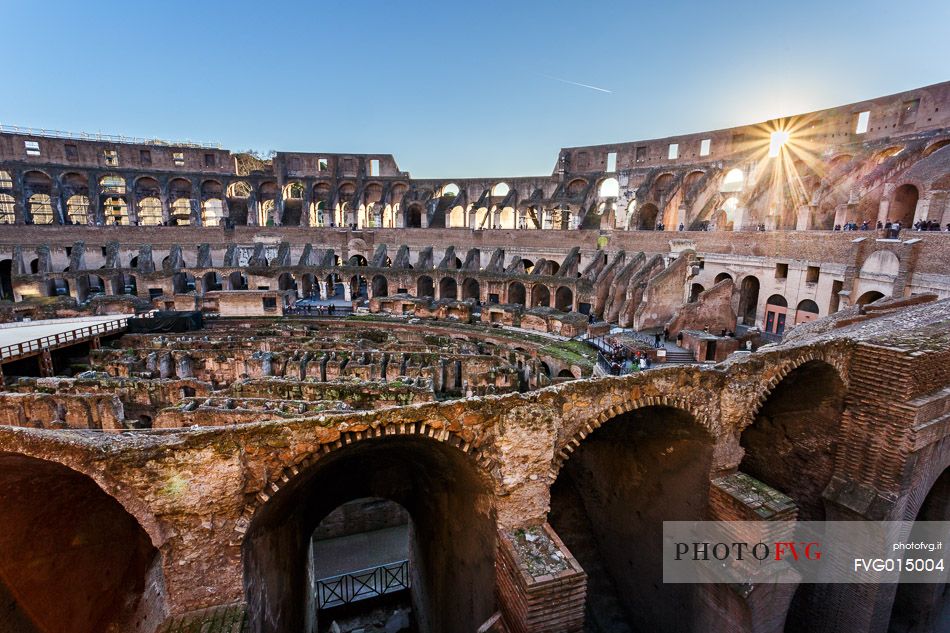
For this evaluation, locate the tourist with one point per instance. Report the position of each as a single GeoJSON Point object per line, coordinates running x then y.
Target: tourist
{"type": "Point", "coordinates": [656, 340]}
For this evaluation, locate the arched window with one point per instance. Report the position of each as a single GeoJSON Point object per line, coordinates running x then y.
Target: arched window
{"type": "Point", "coordinates": [609, 188]}
{"type": "Point", "coordinates": [266, 213]}
{"type": "Point", "coordinates": [500, 189]}
{"type": "Point", "coordinates": [181, 212]}
{"type": "Point", "coordinates": [150, 211]}
{"type": "Point", "coordinates": [733, 180]}
{"type": "Point", "coordinates": [77, 210]}
{"type": "Point", "coordinates": [904, 206]}
{"type": "Point", "coordinates": [807, 310]}
{"type": "Point", "coordinates": [116, 211]}
{"type": "Point", "coordinates": [212, 212]}
{"type": "Point", "coordinates": [112, 185]}
{"type": "Point", "coordinates": [317, 210]}
{"type": "Point", "coordinates": [776, 311]}
{"type": "Point", "coordinates": [7, 215]}
{"type": "Point", "coordinates": [41, 209]}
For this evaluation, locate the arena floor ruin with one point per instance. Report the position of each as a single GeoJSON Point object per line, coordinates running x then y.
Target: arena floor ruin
{"type": "Point", "coordinates": [286, 394]}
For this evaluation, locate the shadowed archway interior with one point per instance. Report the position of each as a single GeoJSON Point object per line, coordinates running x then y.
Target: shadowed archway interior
{"type": "Point", "coordinates": [608, 506]}
{"type": "Point", "coordinates": [71, 558]}
{"type": "Point", "coordinates": [452, 522]}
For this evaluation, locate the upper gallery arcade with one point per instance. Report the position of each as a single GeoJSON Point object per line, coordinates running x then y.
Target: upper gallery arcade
{"type": "Point", "coordinates": [876, 160]}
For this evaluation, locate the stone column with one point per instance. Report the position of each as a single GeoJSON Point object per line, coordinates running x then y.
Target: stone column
{"type": "Point", "coordinates": [195, 215]}
{"type": "Point", "coordinates": [133, 208]}
{"type": "Point", "coordinates": [740, 218]}
{"type": "Point", "coordinates": [252, 209]}
{"type": "Point", "coordinates": [279, 207]}
{"type": "Point", "coordinates": [19, 204]}
{"type": "Point", "coordinates": [682, 217]}
{"type": "Point", "coordinates": [57, 203]}
{"type": "Point", "coordinates": [307, 203]}
{"type": "Point", "coordinates": [803, 219]}
{"type": "Point", "coordinates": [922, 210]}
{"type": "Point", "coordinates": [885, 205]}
{"type": "Point", "coordinates": [95, 213]}
{"type": "Point", "coordinates": [194, 201]}
{"type": "Point", "coordinates": [225, 208]}
{"type": "Point", "coordinates": [166, 206]}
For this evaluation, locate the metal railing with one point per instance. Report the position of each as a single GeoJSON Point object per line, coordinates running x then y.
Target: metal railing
{"type": "Point", "coordinates": [63, 338]}
{"type": "Point", "coordinates": [360, 585]}
{"type": "Point", "coordinates": [108, 138]}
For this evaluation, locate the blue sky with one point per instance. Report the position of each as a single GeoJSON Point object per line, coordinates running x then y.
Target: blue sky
{"type": "Point", "coordinates": [452, 89]}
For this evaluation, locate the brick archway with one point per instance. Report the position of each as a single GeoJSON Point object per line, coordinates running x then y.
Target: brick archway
{"type": "Point", "coordinates": [301, 463]}
{"type": "Point", "coordinates": [563, 453]}
{"type": "Point", "coordinates": [782, 372]}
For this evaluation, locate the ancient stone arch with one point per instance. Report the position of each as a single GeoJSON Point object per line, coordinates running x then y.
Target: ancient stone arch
{"type": "Point", "coordinates": [838, 363]}
{"type": "Point", "coordinates": [297, 465]}
{"type": "Point", "coordinates": [83, 464]}
{"type": "Point", "coordinates": [597, 420]}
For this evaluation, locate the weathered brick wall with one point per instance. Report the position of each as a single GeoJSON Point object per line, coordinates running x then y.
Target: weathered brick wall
{"type": "Point", "coordinates": [713, 308]}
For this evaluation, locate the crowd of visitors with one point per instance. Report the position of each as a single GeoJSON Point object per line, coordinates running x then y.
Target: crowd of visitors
{"type": "Point", "coordinates": [891, 229]}
{"type": "Point", "coordinates": [621, 361]}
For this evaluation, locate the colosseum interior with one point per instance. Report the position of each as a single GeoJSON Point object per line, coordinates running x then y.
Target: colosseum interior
{"type": "Point", "coordinates": [307, 392]}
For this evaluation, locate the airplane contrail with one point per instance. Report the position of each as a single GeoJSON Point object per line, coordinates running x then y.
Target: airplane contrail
{"type": "Point", "coordinates": [576, 83]}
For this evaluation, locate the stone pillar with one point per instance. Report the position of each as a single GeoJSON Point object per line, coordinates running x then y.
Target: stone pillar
{"type": "Point", "coordinates": [195, 215]}
{"type": "Point", "coordinates": [184, 366]}
{"type": "Point", "coordinates": [538, 604]}
{"type": "Point", "coordinates": [922, 210]}
{"type": "Point", "coordinates": [324, 289]}
{"type": "Point", "coordinates": [166, 208]}
{"type": "Point", "coordinates": [307, 203]}
{"type": "Point", "coordinates": [132, 208]}
{"type": "Point", "coordinates": [740, 218]}
{"type": "Point", "coordinates": [885, 205]}
{"type": "Point", "coordinates": [803, 219]}
{"type": "Point", "coordinates": [151, 362]}
{"type": "Point", "coordinates": [682, 217]}
{"type": "Point", "coordinates": [726, 607]}
{"type": "Point", "coordinates": [56, 202]}
{"type": "Point", "coordinates": [19, 201]}
{"type": "Point", "coordinates": [252, 209]}
{"type": "Point", "coordinates": [267, 365]}
{"type": "Point", "coordinates": [95, 201]}
{"type": "Point", "coordinates": [279, 207]}
{"type": "Point", "coordinates": [165, 366]}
